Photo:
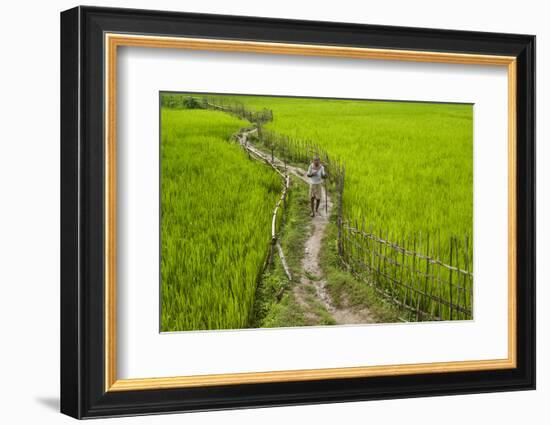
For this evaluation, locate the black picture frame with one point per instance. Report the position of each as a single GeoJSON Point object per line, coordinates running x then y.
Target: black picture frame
{"type": "Point", "coordinates": [82, 218]}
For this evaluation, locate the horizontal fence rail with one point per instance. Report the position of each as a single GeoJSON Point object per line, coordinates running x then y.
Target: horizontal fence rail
{"type": "Point", "coordinates": [427, 287]}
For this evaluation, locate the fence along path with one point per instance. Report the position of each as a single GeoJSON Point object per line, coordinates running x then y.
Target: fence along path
{"type": "Point", "coordinates": [426, 287]}
{"type": "Point", "coordinates": [276, 218]}
{"type": "Point", "coordinates": [310, 262]}
{"type": "Point", "coordinates": [431, 285]}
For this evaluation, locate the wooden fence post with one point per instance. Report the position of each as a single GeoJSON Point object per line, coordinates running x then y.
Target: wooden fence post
{"type": "Point", "coordinates": [403, 260]}
{"type": "Point", "coordinates": [439, 285]}
{"type": "Point", "coordinates": [467, 297]}
{"type": "Point", "coordinates": [424, 300]}
{"type": "Point", "coordinates": [414, 280]}
{"type": "Point", "coordinates": [340, 213]}
{"type": "Point", "coordinates": [451, 282]}
{"type": "Point", "coordinates": [462, 281]}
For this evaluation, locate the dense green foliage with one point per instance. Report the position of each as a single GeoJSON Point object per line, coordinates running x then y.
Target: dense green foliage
{"type": "Point", "coordinates": [216, 209]}
{"type": "Point", "coordinates": [409, 173]}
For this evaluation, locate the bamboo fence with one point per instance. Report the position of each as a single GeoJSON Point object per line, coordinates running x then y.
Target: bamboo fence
{"type": "Point", "coordinates": [424, 285]}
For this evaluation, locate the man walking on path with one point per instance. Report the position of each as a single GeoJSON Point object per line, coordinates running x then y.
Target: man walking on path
{"type": "Point", "coordinates": [316, 173]}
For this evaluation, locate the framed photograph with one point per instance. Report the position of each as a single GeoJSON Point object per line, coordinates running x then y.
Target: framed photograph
{"type": "Point", "coordinates": [261, 212]}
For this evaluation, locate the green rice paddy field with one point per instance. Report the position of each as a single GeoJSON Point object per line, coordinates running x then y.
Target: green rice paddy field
{"type": "Point", "coordinates": [216, 210]}
{"type": "Point", "coordinates": [409, 165]}
{"type": "Point", "coordinates": [409, 169]}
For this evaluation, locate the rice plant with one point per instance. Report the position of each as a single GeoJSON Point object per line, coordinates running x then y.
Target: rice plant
{"type": "Point", "coordinates": [216, 207]}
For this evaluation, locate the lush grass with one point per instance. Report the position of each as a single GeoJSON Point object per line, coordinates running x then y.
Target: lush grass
{"type": "Point", "coordinates": [216, 209]}
{"type": "Point", "coordinates": [409, 166]}
{"type": "Point", "coordinates": [409, 170]}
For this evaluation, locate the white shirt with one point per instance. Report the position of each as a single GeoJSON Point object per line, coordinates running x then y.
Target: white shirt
{"type": "Point", "coordinates": [318, 177]}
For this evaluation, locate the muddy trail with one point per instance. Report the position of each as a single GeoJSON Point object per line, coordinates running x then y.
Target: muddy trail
{"type": "Point", "coordinates": [312, 281]}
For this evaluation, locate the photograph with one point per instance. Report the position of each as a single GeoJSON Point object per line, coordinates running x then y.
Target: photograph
{"type": "Point", "coordinates": [281, 212]}
{"type": "Point", "coordinates": [268, 211]}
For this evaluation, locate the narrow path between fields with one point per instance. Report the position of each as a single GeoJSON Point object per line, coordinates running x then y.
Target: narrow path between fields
{"type": "Point", "coordinates": [312, 275]}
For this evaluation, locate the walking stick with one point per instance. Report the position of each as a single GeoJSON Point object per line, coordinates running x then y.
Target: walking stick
{"type": "Point", "coordinates": [326, 200]}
